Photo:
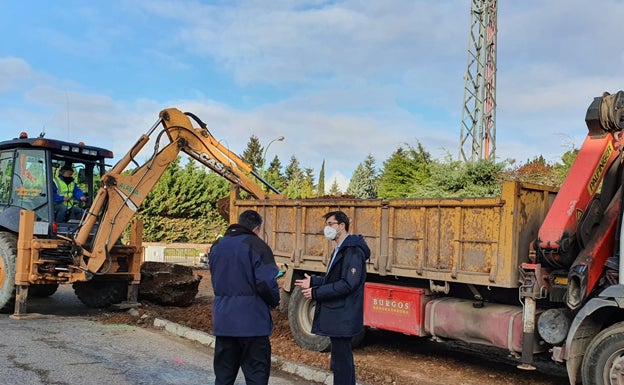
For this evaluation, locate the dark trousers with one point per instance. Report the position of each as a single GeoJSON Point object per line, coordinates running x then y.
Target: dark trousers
{"type": "Point", "coordinates": [251, 354]}
{"type": "Point", "coordinates": [342, 361]}
{"type": "Point", "coordinates": [61, 210]}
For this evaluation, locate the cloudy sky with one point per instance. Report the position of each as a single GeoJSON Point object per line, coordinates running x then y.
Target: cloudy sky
{"type": "Point", "coordinates": [338, 79]}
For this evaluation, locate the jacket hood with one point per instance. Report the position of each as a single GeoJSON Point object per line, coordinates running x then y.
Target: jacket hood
{"type": "Point", "coordinates": [357, 241]}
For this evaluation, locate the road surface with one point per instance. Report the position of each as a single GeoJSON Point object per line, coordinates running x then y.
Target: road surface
{"type": "Point", "coordinates": [61, 346]}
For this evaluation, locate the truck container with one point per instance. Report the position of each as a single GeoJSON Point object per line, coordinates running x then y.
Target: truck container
{"type": "Point", "coordinates": [478, 241]}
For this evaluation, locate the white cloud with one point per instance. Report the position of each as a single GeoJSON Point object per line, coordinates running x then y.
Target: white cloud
{"type": "Point", "coordinates": [15, 72]}
{"type": "Point", "coordinates": [341, 180]}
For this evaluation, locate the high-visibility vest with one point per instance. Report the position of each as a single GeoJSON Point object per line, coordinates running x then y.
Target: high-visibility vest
{"type": "Point", "coordinates": [65, 190]}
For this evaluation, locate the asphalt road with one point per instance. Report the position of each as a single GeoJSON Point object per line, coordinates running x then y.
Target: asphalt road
{"type": "Point", "coordinates": [59, 345]}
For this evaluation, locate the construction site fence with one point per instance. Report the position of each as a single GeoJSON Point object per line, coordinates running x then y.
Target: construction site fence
{"type": "Point", "coordinates": [190, 254]}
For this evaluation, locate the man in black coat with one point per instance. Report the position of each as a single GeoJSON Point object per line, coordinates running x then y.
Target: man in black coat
{"type": "Point", "coordinates": [339, 295]}
{"type": "Point", "coordinates": [243, 273]}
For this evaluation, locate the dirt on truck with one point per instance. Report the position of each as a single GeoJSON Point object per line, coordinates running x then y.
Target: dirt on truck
{"type": "Point", "coordinates": [534, 273]}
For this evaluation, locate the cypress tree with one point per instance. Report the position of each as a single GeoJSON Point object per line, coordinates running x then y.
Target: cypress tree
{"type": "Point", "coordinates": [320, 190]}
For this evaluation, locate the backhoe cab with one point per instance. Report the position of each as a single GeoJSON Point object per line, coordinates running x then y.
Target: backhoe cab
{"type": "Point", "coordinates": [37, 253]}
{"type": "Point", "coordinates": [28, 167]}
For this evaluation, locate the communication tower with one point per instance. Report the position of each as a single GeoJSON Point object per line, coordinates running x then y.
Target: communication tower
{"type": "Point", "coordinates": [478, 127]}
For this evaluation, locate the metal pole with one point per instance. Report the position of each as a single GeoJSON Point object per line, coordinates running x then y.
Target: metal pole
{"type": "Point", "coordinates": [278, 139]}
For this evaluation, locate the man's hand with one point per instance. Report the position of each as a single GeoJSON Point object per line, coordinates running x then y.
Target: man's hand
{"type": "Point", "coordinates": [304, 284]}
{"type": "Point", "coordinates": [83, 198]}
{"type": "Point", "coordinates": [66, 199]}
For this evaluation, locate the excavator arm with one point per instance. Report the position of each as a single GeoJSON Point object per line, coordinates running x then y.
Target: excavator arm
{"type": "Point", "coordinates": [121, 193]}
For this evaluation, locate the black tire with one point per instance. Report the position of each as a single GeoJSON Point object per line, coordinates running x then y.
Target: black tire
{"type": "Point", "coordinates": [101, 294]}
{"type": "Point", "coordinates": [603, 362]}
{"type": "Point", "coordinates": [41, 291]}
{"type": "Point", "coordinates": [284, 301]}
{"type": "Point", "coordinates": [300, 316]}
{"type": "Point", "coordinates": [8, 255]}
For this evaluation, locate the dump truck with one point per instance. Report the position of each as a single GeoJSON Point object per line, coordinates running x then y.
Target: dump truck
{"type": "Point", "coordinates": [533, 273]}
{"type": "Point", "coordinates": [39, 252]}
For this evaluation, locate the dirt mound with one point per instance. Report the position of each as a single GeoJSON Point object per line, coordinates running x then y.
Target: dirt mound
{"type": "Point", "coordinates": [168, 284]}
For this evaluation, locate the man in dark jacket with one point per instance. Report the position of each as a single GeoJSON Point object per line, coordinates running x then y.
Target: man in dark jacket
{"type": "Point", "coordinates": [243, 272]}
{"type": "Point", "coordinates": [339, 295]}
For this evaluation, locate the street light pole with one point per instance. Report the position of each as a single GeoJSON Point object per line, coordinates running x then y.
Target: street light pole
{"type": "Point", "coordinates": [278, 139]}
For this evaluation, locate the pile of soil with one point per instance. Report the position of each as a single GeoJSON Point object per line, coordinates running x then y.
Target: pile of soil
{"type": "Point", "coordinates": [384, 358]}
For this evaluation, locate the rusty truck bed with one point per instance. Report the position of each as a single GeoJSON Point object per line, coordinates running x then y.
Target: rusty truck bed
{"type": "Point", "coordinates": [479, 241]}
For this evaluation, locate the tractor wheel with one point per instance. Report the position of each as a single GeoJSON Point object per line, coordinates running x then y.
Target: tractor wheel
{"type": "Point", "coordinates": [603, 363]}
{"type": "Point", "coordinates": [41, 291]}
{"type": "Point", "coordinates": [101, 294]}
{"type": "Point", "coordinates": [300, 317]}
{"type": "Point", "coordinates": [8, 254]}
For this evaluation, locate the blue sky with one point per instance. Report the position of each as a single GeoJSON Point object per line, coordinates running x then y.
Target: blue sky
{"type": "Point", "coordinates": [337, 79]}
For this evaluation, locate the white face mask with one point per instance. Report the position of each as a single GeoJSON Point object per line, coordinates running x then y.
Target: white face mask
{"type": "Point", "coordinates": [330, 233]}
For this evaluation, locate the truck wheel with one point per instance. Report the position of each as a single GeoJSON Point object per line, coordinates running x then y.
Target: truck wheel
{"type": "Point", "coordinates": [604, 358]}
{"type": "Point", "coordinates": [8, 254]}
{"type": "Point", "coordinates": [284, 301]}
{"type": "Point", "coordinates": [300, 316]}
{"type": "Point", "coordinates": [101, 294]}
{"type": "Point", "coordinates": [41, 291]}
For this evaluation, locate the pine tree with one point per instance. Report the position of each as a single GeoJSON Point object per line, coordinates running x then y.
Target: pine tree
{"type": "Point", "coordinates": [398, 172]}
{"type": "Point", "coordinates": [273, 174]}
{"type": "Point", "coordinates": [405, 170]}
{"type": "Point", "coordinates": [307, 187]}
{"type": "Point", "coordinates": [294, 179]}
{"type": "Point", "coordinates": [363, 183]}
{"type": "Point", "coordinates": [334, 189]}
{"type": "Point", "coordinates": [253, 153]}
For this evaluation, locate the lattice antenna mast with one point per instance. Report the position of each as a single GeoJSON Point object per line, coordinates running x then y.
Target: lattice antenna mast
{"type": "Point", "coordinates": [478, 129]}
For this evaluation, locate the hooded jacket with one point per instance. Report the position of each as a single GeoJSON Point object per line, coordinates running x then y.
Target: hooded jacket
{"type": "Point", "coordinates": [243, 271]}
{"type": "Point", "coordinates": [339, 294]}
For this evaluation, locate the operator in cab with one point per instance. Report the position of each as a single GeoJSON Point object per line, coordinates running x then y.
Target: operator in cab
{"type": "Point", "coordinates": [67, 194]}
